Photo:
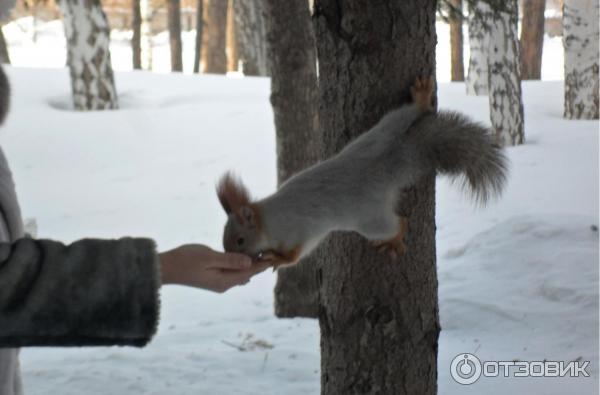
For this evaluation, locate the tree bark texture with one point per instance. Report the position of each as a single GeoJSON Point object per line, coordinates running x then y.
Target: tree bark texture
{"type": "Point", "coordinates": [136, 39]}
{"type": "Point", "coordinates": [294, 98]}
{"type": "Point", "coordinates": [457, 69]}
{"type": "Point", "coordinates": [250, 36]}
{"type": "Point", "coordinates": [174, 16]}
{"type": "Point", "coordinates": [532, 39]}
{"type": "Point", "coordinates": [580, 40]}
{"type": "Point", "coordinates": [378, 318]}
{"type": "Point", "coordinates": [199, 30]}
{"type": "Point", "coordinates": [480, 15]}
{"type": "Point", "coordinates": [88, 55]}
{"type": "Point", "coordinates": [4, 55]}
{"type": "Point", "coordinates": [215, 37]}
{"type": "Point", "coordinates": [506, 105]}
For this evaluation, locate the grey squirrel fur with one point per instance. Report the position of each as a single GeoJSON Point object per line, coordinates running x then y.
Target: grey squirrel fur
{"type": "Point", "coordinates": [359, 188]}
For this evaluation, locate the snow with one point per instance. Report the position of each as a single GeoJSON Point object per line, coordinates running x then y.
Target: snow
{"type": "Point", "coordinates": [517, 279]}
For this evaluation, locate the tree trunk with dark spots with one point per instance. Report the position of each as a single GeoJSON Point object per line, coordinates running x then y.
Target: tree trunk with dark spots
{"type": "Point", "coordinates": [504, 78]}
{"type": "Point", "coordinates": [532, 39]}
{"type": "Point", "coordinates": [146, 34]}
{"type": "Point", "coordinates": [480, 15]}
{"type": "Point", "coordinates": [88, 55]}
{"type": "Point", "coordinates": [580, 40]}
{"type": "Point", "coordinates": [378, 317]}
{"type": "Point", "coordinates": [294, 98]}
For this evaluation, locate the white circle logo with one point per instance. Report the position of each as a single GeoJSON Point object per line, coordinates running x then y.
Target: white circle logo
{"type": "Point", "coordinates": [465, 369]}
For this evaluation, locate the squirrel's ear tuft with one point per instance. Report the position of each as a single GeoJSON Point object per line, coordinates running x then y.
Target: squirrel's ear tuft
{"type": "Point", "coordinates": [232, 194]}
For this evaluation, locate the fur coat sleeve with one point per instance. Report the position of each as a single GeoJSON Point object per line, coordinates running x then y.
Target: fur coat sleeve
{"type": "Point", "coordinates": [92, 292]}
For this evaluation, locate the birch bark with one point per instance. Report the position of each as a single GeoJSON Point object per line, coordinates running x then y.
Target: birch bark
{"type": "Point", "coordinates": [504, 79]}
{"type": "Point", "coordinates": [580, 40]}
{"type": "Point", "coordinates": [88, 55]}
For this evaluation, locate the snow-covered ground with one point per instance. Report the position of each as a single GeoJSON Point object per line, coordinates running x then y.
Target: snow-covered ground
{"type": "Point", "coordinates": [518, 280]}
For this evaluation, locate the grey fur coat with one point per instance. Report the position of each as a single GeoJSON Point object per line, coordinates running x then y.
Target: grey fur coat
{"type": "Point", "coordinates": [92, 292]}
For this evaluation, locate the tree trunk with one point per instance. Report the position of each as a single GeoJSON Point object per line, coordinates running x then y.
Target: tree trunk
{"type": "Point", "coordinates": [378, 318]}
{"type": "Point", "coordinates": [146, 35]}
{"type": "Point", "coordinates": [215, 58]}
{"type": "Point", "coordinates": [232, 53]}
{"type": "Point", "coordinates": [88, 55]}
{"type": "Point", "coordinates": [580, 40]}
{"type": "Point", "coordinates": [456, 42]}
{"type": "Point", "coordinates": [136, 39]}
{"type": "Point", "coordinates": [506, 105]}
{"type": "Point", "coordinates": [250, 35]}
{"type": "Point", "coordinates": [294, 97]}
{"type": "Point", "coordinates": [480, 15]}
{"type": "Point", "coordinates": [4, 56]}
{"type": "Point", "coordinates": [199, 28]}
{"type": "Point", "coordinates": [174, 15]}
{"type": "Point", "coordinates": [532, 39]}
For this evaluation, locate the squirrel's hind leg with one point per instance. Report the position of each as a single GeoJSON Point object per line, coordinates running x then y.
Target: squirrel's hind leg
{"type": "Point", "coordinates": [394, 246]}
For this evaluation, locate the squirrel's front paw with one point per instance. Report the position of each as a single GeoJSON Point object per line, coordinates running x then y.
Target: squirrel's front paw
{"type": "Point", "coordinates": [277, 259]}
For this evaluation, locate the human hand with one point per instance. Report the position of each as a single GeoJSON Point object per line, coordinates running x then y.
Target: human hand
{"type": "Point", "coordinates": [200, 266]}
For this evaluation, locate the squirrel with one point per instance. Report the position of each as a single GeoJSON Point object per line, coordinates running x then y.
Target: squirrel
{"type": "Point", "coordinates": [359, 188]}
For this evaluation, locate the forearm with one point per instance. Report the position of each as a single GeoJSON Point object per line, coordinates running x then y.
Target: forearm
{"type": "Point", "coordinates": [92, 292]}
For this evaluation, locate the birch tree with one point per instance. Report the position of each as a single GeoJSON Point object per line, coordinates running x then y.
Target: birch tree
{"type": "Point", "coordinates": [250, 36]}
{"type": "Point", "coordinates": [378, 319]}
{"type": "Point", "coordinates": [480, 13]}
{"type": "Point", "coordinates": [146, 34]}
{"type": "Point", "coordinates": [580, 40]}
{"type": "Point", "coordinates": [88, 55]}
{"type": "Point", "coordinates": [504, 79]}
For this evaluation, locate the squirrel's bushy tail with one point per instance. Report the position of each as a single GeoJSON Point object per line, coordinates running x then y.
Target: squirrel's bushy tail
{"type": "Point", "coordinates": [460, 147]}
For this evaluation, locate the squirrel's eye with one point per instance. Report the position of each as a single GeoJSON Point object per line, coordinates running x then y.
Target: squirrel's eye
{"type": "Point", "coordinates": [240, 241]}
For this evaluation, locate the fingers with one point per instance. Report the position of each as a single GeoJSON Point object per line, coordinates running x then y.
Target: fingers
{"type": "Point", "coordinates": [230, 261]}
{"type": "Point", "coordinates": [259, 267]}
{"type": "Point", "coordinates": [232, 278]}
